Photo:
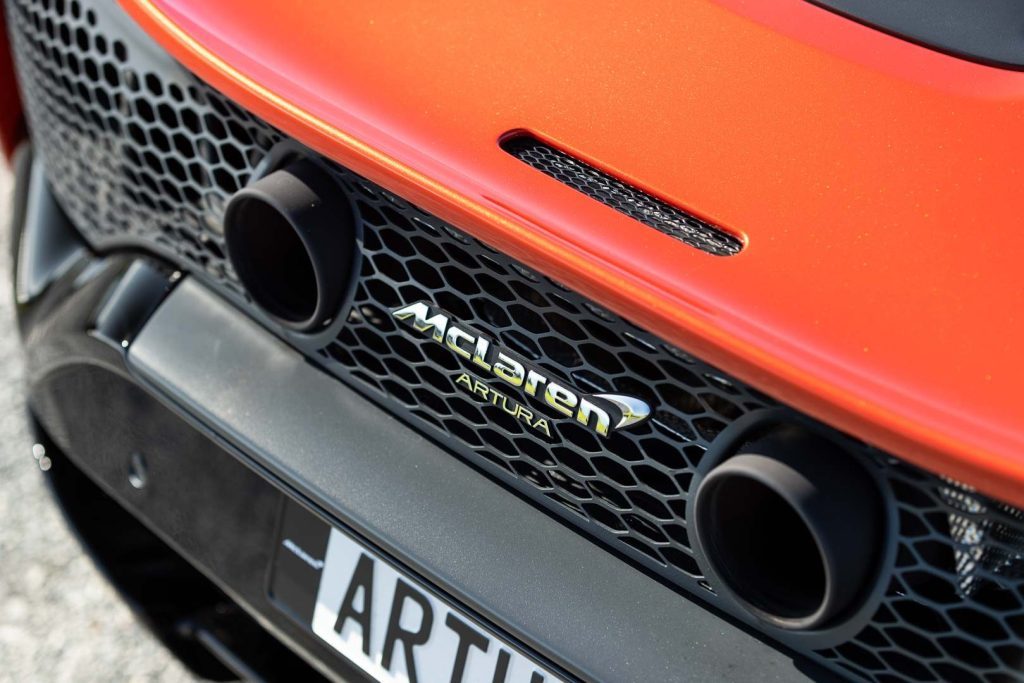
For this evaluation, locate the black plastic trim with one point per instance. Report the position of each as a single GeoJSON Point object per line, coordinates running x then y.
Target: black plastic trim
{"type": "Point", "coordinates": [792, 527]}
{"type": "Point", "coordinates": [558, 593]}
{"type": "Point", "coordinates": [290, 236]}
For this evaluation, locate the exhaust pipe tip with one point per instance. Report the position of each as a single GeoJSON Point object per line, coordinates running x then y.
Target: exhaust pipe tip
{"type": "Point", "coordinates": [792, 528]}
{"type": "Point", "coordinates": [290, 238]}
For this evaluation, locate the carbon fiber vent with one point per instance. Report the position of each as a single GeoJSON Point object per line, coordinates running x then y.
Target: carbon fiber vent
{"type": "Point", "coordinates": [141, 153]}
{"type": "Point", "coordinates": [621, 196]}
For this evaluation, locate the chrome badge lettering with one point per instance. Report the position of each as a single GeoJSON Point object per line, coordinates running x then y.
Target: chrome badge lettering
{"type": "Point", "coordinates": [506, 403]}
{"type": "Point", "coordinates": [601, 413]}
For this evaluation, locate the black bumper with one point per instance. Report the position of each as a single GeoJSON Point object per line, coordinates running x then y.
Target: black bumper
{"type": "Point", "coordinates": [132, 367]}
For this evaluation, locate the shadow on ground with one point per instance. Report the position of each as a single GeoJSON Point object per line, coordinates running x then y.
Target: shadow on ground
{"type": "Point", "coordinates": [59, 620]}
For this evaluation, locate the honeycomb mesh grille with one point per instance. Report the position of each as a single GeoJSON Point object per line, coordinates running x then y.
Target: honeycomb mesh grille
{"type": "Point", "coordinates": [155, 157]}
{"type": "Point", "coordinates": [630, 487]}
{"type": "Point", "coordinates": [105, 120]}
{"type": "Point", "coordinates": [622, 197]}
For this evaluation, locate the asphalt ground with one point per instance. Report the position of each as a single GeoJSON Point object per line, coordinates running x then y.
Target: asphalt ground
{"type": "Point", "coordinates": [59, 619]}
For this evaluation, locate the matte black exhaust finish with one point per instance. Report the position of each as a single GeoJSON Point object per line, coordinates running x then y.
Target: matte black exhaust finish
{"type": "Point", "coordinates": [793, 528]}
{"type": "Point", "coordinates": [290, 238]}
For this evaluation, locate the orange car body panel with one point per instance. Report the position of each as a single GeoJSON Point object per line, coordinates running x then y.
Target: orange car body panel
{"type": "Point", "coordinates": [875, 182]}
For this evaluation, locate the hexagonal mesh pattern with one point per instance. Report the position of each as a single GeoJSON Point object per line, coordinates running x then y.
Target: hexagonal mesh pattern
{"type": "Point", "coordinates": [141, 153]}
{"type": "Point", "coordinates": [954, 608]}
{"type": "Point", "coordinates": [137, 149]}
{"type": "Point", "coordinates": [621, 196]}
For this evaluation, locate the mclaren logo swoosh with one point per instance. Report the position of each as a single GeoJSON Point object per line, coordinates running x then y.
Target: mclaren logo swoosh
{"type": "Point", "coordinates": [601, 413]}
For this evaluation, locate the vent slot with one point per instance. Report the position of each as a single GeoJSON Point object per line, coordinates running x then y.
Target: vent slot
{"type": "Point", "coordinates": [621, 196]}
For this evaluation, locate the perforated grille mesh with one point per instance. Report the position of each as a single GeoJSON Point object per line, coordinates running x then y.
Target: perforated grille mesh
{"type": "Point", "coordinates": [629, 487]}
{"type": "Point", "coordinates": [106, 111]}
{"type": "Point", "coordinates": [621, 196]}
{"type": "Point", "coordinates": [953, 607]}
{"type": "Point", "coordinates": [137, 150]}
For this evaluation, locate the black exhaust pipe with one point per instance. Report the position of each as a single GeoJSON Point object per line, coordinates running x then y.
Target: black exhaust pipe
{"type": "Point", "coordinates": [792, 527]}
{"type": "Point", "coordinates": [290, 238]}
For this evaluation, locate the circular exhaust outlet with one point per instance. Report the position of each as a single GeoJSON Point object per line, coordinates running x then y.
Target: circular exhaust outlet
{"type": "Point", "coordinates": [290, 238]}
{"type": "Point", "coordinates": [792, 528]}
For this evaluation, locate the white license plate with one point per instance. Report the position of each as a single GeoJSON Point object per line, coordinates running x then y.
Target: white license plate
{"type": "Point", "coordinates": [382, 620]}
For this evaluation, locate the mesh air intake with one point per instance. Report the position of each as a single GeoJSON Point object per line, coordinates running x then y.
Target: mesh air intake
{"type": "Point", "coordinates": [621, 196]}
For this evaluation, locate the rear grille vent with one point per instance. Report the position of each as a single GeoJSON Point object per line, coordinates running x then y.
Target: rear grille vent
{"type": "Point", "coordinates": [155, 153]}
{"type": "Point", "coordinates": [624, 198]}
{"type": "Point", "coordinates": [629, 488]}
{"type": "Point", "coordinates": [105, 116]}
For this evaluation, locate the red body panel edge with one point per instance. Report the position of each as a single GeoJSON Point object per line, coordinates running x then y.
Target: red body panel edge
{"type": "Point", "coordinates": [12, 129]}
{"type": "Point", "coordinates": [875, 182]}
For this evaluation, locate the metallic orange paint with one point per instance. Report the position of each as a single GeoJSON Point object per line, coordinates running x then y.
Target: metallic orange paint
{"type": "Point", "coordinates": [875, 181]}
{"type": "Point", "coordinates": [12, 129]}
